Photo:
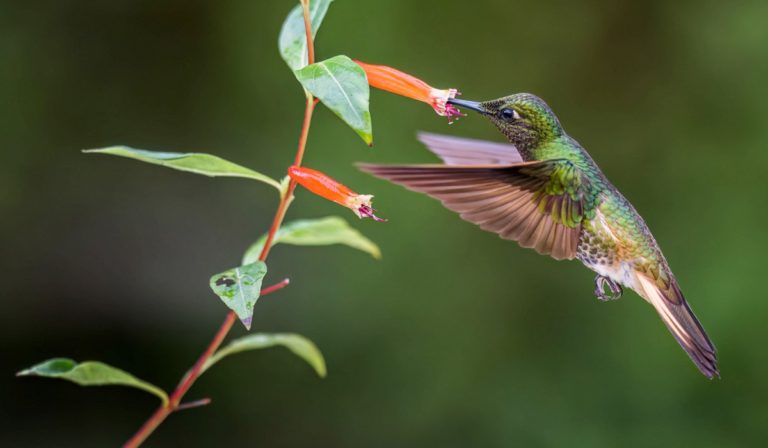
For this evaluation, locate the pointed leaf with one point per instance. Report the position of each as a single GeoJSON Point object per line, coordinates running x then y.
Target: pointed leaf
{"type": "Point", "coordinates": [299, 345]}
{"type": "Point", "coordinates": [293, 37]}
{"type": "Point", "coordinates": [239, 289]}
{"type": "Point", "coordinates": [343, 87]}
{"type": "Point", "coordinates": [316, 232]}
{"type": "Point", "coordinates": [198, 163]}
{"type": "Point", "coordinates": [91, 373]}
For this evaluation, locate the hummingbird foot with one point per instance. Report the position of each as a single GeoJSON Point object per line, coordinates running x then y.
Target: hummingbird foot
{"type": "Point", "coordinates": [615, 289]}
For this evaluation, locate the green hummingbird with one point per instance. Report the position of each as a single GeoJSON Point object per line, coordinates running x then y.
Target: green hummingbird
{"type": "Point", "coordinates": [545, 192]}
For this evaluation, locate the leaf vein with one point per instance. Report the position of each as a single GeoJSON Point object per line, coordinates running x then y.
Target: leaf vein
{"type": "Point", "coordinates": [343, 92]}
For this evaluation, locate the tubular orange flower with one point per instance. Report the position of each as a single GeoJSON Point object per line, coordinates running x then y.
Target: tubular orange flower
{"type": "Point", "coordinates": [322, 185]}
{"type": "Point", "coordinates": [395, 81]}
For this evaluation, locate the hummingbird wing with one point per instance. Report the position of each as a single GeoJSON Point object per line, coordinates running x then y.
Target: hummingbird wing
{"type": "Point", "coordinates": [673, 309]}
{"type": "Point", "coordinates": [469, 151]}
{"type": "Point", "coordinates": [539, 204]}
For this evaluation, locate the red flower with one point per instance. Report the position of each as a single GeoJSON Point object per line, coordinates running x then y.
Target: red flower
{"type": "Point", "coordinates": [395, 81]}
{"type": "Point", "coordinates": [324, 186]}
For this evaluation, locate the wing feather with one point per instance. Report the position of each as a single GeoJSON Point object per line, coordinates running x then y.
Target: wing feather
{"type": "Point", "coordinates": [469, 151]}
{"type": "Point", "coordinates": [510, 200]}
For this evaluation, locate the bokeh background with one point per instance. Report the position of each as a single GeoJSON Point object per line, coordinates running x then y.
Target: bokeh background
{"type": "Point", "coordinates": [454, 338]}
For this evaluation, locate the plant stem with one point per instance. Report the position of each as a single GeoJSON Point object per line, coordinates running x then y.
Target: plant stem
{"type": "Point", "coordinates": [173, 402]}
{"type": "Point", "coordinates": [309, 107]}
{"type": "Point", "coordinates": [193, 404]}
{"type": "Point", "coordinates": [189, 379]}
{"type": "Point", "coordinates": [282, 208]}
{"type": "Point", "coordinates": [308, 32]}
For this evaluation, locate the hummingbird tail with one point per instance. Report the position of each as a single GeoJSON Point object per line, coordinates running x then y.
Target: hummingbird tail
{"type": "Point", "coordinates": [682, 323]}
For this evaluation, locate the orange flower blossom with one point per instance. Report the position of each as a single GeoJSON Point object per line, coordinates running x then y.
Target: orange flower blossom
{"type": "Point", "coordinates": [322, 185]}
{"type": "Point", "coordinates": [395, 81]}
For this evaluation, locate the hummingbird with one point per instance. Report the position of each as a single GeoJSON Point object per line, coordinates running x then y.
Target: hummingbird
{"type": "Point", "coordinates": [545, 191]}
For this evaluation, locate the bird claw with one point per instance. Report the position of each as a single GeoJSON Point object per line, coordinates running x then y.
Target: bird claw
{"type": "Point", "coordinates": [615, 288]}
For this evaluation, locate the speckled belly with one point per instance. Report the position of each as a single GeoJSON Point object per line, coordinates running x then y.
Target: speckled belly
{"type": "Point", "coordinates": [595, 249]}
{"type": "Point", "coordinates": [598, 250]}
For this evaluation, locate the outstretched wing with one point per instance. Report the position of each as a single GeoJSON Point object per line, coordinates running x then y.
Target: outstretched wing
{"type": "Point", "coordinates": [469, 151]}
{"type": "Point", "coordinates": [539, 204]}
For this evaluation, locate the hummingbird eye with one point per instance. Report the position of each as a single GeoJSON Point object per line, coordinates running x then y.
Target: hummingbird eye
{"type": "Point", "coordinates": [509, 115]}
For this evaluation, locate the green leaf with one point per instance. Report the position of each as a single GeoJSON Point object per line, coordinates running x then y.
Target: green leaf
{"type": "Point", "coordinates": [91, 373]}
{"type": "Point", "coordinates": [299, 345]}
{"type": "Point", "coordinates": [316, 232]}
{"type": "Point", "coordinates": [193, 162]}
{"type": "Point", "coordinates": [239, 289]}
{"type": "Point", "coordinates": [293, 37]}
{"type": "Point", "coordinates": [343, 87]}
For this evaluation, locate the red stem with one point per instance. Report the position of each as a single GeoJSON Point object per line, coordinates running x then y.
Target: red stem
{"type": "Point", "coordinates": [308, 32]}
{"type": "Point", "coordinates": [173, 402]}
{"type": "Point", "coordinates": [189, 379]}
{"type": "Point", "coordinates": [286, 202]}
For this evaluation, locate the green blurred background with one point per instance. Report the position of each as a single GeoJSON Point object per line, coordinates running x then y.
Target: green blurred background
{"type": "Point", "coordinates": [454, 338]}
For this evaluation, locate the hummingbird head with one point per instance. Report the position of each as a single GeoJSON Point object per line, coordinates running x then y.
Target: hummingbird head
{"type": "Point", "coordinates": [525, 119]}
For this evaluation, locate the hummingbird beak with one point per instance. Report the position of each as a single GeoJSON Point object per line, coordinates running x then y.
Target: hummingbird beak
{"type": "Point", "coordinates": [471, 105]}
